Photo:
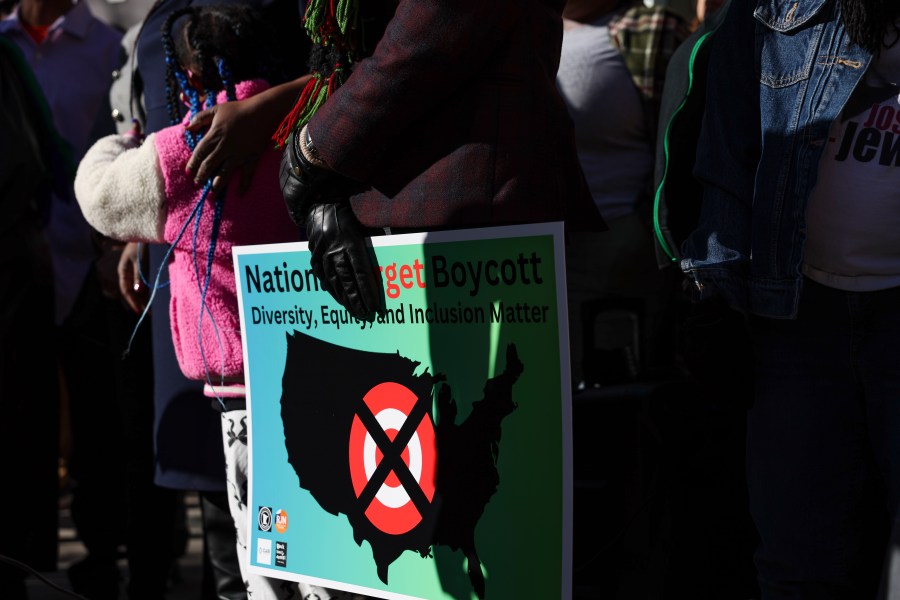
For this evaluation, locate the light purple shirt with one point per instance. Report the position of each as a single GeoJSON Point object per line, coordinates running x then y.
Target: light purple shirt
{"type": "Point", "coordinates": [73, 66]}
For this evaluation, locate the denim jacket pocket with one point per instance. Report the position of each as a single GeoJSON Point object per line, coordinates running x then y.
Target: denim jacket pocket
{"type": "Point", "coordinates": [789, 38]}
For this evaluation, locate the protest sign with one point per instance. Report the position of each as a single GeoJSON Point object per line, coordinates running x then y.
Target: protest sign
{"type": "Point", "coordinates": [426, 454]}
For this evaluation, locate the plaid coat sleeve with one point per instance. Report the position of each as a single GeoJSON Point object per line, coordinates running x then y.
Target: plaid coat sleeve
{"type": "Point", "coordinates": [455, 119]}
{"type": "Point", "coordinates": [430, 48]}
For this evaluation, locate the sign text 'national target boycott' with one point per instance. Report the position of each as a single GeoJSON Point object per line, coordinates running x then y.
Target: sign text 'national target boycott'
{"type": "Point", "coordinates": [460, 274]}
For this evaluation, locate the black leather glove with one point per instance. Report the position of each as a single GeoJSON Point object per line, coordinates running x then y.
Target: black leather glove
{"type": "Point", "coordinates": [301, 181]}
{"type": "Point", "coordinates": [341, 260]}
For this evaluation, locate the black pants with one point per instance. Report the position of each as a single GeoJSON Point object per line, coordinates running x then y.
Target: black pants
{"type": "Point", "coordinates": [111, 405]}
{"type": "Point", "coordinates": [824, 444]}
{"type": "Point", "coordinates": [29, 405]}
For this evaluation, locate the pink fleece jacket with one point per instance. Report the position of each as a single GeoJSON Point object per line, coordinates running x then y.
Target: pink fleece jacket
{"type": "Point", "coordinates": [257, 217]}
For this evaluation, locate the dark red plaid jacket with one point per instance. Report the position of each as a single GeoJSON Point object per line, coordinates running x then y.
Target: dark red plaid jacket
{"type": "Point", "coordinates": [455, 120]}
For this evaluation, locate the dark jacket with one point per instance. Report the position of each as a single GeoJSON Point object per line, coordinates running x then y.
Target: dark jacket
{"type": "Point", "coordinates": [34, 159]}
{"type": "Point", "coordinates": [455, 120]}
{"type": "Point", "coordinates": [780, 74]}
{"type": "Point", "coordinates": [676, 207]}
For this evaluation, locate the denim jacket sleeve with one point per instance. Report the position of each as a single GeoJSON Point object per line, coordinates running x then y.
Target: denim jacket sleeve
{"type": "Point", "coordinates": [728, 153]}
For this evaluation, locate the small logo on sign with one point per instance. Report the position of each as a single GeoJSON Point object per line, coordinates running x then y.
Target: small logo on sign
{"type": "Point", "coordinates": [264, 551]}
{"type": "Point", "coordinates": [280, 554]}
{"type": "Point", "coordinates": [281, 520]}
{"type": "Point", "coordinates": [264, 518]}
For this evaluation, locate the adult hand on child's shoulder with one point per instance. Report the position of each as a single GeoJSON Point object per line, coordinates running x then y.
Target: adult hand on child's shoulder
{"type": "Point", "coordinates": [234, 141]}
{"type": "Point", "coordinates": [237, 133]}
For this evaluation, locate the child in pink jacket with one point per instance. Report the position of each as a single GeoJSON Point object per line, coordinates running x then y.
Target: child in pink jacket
{"type": "Point", "coordinates": [134, 191]}
{"type": "Point", "coordinates": [138, 190]}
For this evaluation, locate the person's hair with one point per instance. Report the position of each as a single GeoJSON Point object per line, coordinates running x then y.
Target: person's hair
{"type": "Point", "coordinates": [224, 44]}
{"type": "Point", "coordinates": [342, 32]}
{"type": "Point", "coordinates": [869, 22]}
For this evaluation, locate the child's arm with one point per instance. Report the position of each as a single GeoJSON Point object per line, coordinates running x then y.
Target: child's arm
{"type": "Point", "coordinates": [120, 188]}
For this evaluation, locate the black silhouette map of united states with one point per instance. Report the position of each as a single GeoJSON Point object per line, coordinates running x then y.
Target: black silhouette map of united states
{"type": "Point", "coordinates": [321, 397]}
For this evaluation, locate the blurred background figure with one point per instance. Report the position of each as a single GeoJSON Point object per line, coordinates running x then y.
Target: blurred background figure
{"type": "Point", "coordinates": [614, 56]}
{"type": "Point", "coordinates": [660, 499]}
{"type": "Point", "coordinates": [63, 43]}
{"type": "Point", "coordinates": [120, 14]}
{"type": "Point", "coordinates": [611, 75]}
{"type": "Point", "coordinates": [34, 164]}
{"type": "Point", "coordinates": [73, 56]}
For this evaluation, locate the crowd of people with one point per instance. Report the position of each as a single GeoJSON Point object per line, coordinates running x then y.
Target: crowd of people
{"type": "Point", "coordinates": [135, 144]}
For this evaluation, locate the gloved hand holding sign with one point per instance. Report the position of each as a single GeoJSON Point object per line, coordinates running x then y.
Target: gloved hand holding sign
{"type": "Point", "coordinates": [316, 199]}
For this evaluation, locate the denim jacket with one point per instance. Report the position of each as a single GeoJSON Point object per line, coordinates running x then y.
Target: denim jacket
{"type": "Point", "coordinates": [780, 72]}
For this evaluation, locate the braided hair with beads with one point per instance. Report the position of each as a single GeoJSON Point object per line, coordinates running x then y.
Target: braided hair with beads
{"type": "Point", "coordinates": [209, 49]}
{"type": "Point", "coordinates": [342, 33]}
{"type": "Point", "coordinates": [221, 45]}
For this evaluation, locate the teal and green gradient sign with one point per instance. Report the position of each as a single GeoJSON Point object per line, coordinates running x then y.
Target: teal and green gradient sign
{"type": "Point", "coordinates": [426, 454]}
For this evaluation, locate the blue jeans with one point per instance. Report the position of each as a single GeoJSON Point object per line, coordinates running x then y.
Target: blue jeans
{"type": "Point", "coordinates": [823, 453]}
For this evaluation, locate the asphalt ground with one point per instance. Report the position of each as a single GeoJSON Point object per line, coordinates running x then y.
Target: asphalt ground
{"type": "Point", "coordinates": [184, 582]}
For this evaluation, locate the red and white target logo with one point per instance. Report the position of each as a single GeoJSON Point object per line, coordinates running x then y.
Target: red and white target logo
{"type": "Point", "coordinates": [393, 458]}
